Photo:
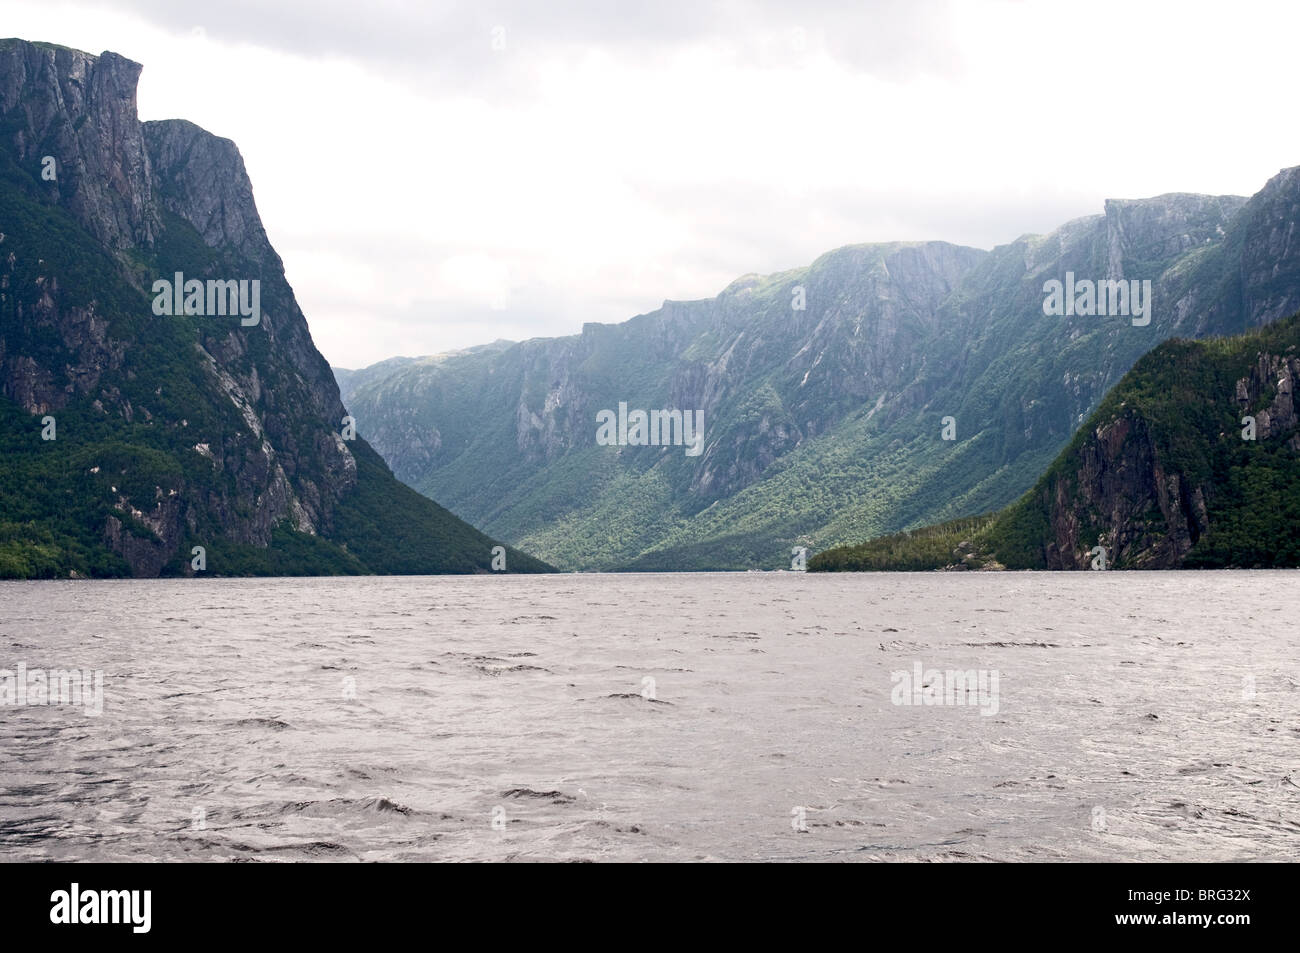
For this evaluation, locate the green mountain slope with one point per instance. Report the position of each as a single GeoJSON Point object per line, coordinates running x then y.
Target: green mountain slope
{"type": "Point", "coordinates": [824, 426]}
{"type": "Point", "coordinates": [1161, 476]}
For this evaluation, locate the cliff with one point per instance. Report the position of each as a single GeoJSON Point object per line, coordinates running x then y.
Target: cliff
{"type": "Point", "coordinates": [179, 430]}
{"type": "Point", "coordinates": [1166, 474]}
{"type": "Point", "coordinates": [824, 426]}
{"type": "Point", "coordinates": [1192, 461]}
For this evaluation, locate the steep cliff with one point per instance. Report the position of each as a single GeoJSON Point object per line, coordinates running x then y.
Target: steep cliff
{"type": "Point", "coordinates": [168, 431]}
{"type": "Point", "coordinates": [1192, 460]}
{"type": "Point", "coordinates": [826, 425]}
{"type": "Point", "coordinates": [507, 432]}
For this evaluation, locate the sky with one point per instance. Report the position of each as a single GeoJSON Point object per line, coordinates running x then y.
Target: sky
{"type": "Point", "coordinates": [442, 174]}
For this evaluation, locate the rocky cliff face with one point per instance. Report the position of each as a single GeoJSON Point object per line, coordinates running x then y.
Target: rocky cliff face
{"type": "Point", "coordinates": [1194, 459]}
{"type": "Point", "coordinates": [824, 424]}
{"type": "Point", "coordinates": [1277, 419]}
{"type": "Point", "coordinates": [221, 432]}
{"type": "Point", "coordinates": [116, 176]}
{"type": "Point", "coordinates": [81, 110]}
{"type": "Point", "coordinates": [1152, 517]}
{"type": "Point", "coordinates": [201, 179]}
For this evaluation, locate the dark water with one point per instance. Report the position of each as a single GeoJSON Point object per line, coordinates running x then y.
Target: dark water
{"type": "Point", "coordinates": [1132, 716]}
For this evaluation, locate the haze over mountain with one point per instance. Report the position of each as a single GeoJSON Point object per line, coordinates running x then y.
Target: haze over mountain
{"type": "Point", "coordinates": [129, 436]}
{"type": "Point", "coordinates": [824, 426]}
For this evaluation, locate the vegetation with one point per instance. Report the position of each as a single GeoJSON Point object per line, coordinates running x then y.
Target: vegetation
{"type": "Point", "coordinates": [823, 425]}
{"type": "Point", "coordinates": [931, 547]}
{"type": "Point", "coordinates": [1182, 397]}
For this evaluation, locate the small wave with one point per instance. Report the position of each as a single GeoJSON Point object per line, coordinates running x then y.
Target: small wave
{"type": "Point", "coordinates": [275, 724]}
{"type": "Point", "coordinates": [506, 669]}
{"type": "Point", "coordinates": [346, 805]}
{"type": "Point", "coordinates": [1012, 645]}
{"type": "Point", "coordinates": [318, 848]}
{"type": "Point", "coordinates": [555, 797]}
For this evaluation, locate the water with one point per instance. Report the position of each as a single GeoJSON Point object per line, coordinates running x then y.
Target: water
{"type": "Point", "coordinates": [1140, 716]}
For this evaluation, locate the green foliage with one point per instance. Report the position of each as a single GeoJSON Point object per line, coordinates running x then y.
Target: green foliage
{"type": "Point", "coordinates": [392, 529]}
{"type": "Point", "coordinates": [290, 554]}
{"type": "Point", "coordinates": [824, 425]}
{"type": "Point", "coordinates": [928, 548]}
{"type": "Point", "coordinates": [1182, 398]}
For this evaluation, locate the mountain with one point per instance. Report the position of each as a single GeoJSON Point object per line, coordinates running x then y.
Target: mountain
{"type": "Point", "coordinates": [824, 426]}
{"type": "Point", "coordinates": [129, 435]}
{"type": "Point", "coordinates": [1192, 460]}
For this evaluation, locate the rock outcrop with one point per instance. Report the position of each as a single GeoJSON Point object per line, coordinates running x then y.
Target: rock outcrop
{"type": "Point", "coordinates": [1183, 461]}
{"type": "Point", "coordinates": [81, 109]}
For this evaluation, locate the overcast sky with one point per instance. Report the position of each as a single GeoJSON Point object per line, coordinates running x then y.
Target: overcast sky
{"type": "Point", "coordinates": [442, 174]}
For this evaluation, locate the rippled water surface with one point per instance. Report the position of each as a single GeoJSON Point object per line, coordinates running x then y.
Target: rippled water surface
{"type": "Point", "coordinates": [663, 717]}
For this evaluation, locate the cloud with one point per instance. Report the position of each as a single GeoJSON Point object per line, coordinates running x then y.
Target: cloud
{"type": "Point", "coordinates": [428, 192]}
{"type": "Point", "coordinates": [470, 44]}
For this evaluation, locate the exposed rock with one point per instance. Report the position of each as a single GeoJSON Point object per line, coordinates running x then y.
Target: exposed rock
{"type": "Point", "coordinates": [81, 110]}
{"type": "Point", "coordinates": [1147, 513]}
